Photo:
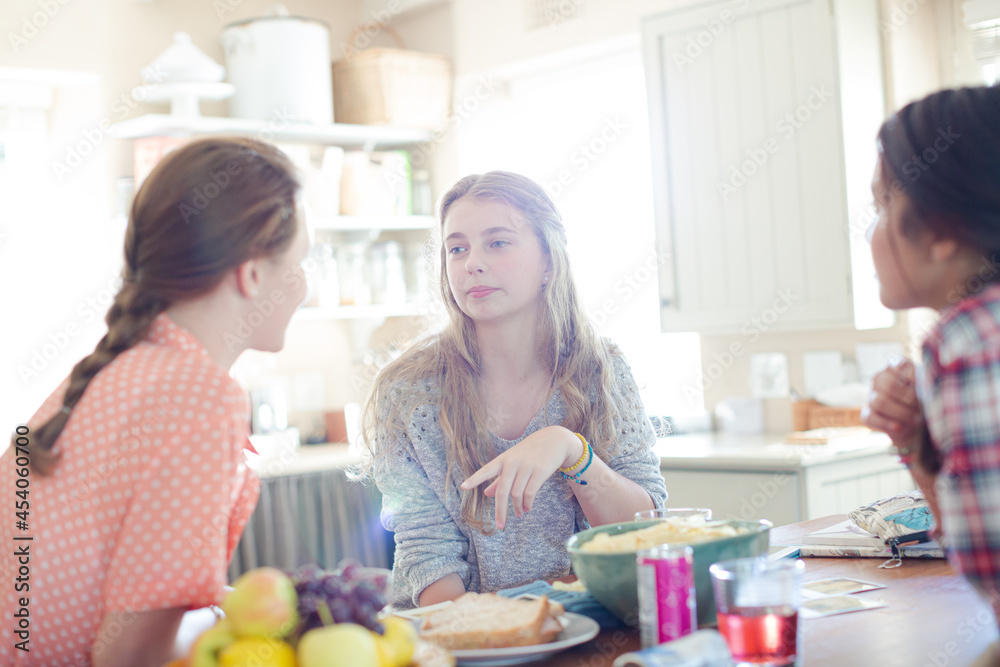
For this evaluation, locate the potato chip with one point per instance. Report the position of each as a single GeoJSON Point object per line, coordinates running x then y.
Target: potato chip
{"type": "Point", "coordinates": [674, 530]}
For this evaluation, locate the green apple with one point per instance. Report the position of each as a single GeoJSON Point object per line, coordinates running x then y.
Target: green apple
{"type": "Point", "coordinates": [397, 644]}
{"type": "Point", "coordinates": [340, 645]}
{"type": "Point", "coordinates": [264, 604]}
{"type": "Point", "coordinates": [206, 649]}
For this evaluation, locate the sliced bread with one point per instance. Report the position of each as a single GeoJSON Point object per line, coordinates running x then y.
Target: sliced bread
{"type": "Point", "coordinates": [487, 620]}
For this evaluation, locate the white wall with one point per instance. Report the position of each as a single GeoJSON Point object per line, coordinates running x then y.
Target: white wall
{"type": "Point", "coordinates": [490, 34]}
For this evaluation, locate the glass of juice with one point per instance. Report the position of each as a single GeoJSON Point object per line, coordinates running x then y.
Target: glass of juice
{"type": "Point", "coordinates": [757, 607]}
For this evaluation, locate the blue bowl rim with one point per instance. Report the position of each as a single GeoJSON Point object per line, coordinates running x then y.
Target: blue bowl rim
{"type": "Point", "coordinates": [761, 525]}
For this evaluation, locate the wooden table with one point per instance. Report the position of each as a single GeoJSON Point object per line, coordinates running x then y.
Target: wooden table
{"type": "Point", "coordinates": [932, 618]}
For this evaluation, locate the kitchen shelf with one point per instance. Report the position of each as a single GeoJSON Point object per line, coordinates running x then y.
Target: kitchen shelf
{"type": "Point", "coordinates": [367, 137]}
{"type": "Point", "coordinates": [347, 223]}
{"type": "Point", "coordinates": [376, 311]}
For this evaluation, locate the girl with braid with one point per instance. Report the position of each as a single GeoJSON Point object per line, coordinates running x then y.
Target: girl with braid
{"type": "Point", "coordinates": [139, 490]}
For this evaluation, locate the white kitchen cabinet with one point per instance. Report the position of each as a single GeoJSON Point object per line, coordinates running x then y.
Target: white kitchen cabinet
{"type": "Point", "coordinates": [747, 105]}
{"type": "Point", "coordinates": [757, 477]}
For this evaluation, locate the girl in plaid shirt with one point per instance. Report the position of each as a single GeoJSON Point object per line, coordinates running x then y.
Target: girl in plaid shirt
{"type": "Point", "coordinates": [936, 244]}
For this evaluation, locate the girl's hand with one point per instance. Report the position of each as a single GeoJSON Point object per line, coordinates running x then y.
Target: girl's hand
{"type": "Point", "coordinates": [893, 406]}
{"type": "Point", "coordinates": [522, 469]}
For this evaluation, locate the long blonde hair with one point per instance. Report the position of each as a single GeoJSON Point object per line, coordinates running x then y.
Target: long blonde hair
{"type": "Point", "coordinates": [444, 367]}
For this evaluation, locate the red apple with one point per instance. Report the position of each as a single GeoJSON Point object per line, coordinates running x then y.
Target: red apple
{"type": "Point", "coordinates": [263, 604]}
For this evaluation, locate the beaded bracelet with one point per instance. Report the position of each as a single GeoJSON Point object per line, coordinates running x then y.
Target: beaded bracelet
{"type": "Point", "coordinates": [576, 478]}
{"type": "Point", "coordinates": [583, 456]}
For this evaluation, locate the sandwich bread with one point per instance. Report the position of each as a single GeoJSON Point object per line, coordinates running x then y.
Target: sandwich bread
{"type": "Point", "coordinates": [487, 620]}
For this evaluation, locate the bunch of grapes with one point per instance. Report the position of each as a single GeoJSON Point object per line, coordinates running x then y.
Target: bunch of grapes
{"type": "Point", "coordinates": [350, 594]}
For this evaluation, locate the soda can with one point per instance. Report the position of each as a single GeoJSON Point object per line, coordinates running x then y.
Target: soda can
{"type": "Point", "coordinates": [704, 648]}
{"type": "Point", "coordinates": [667, 606]}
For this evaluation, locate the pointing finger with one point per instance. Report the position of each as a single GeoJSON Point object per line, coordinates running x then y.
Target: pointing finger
{"type": "Point", "coordinates": [491, 469]}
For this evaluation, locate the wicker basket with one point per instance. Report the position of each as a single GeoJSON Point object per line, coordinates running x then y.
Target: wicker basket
{"type": "Point", "coordinates": [395, 87]}
{"type": "Point", "coordinates": [808, 415]}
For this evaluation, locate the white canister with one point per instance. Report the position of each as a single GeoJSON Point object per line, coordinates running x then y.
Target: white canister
{"type": "Point", "coordinates": [280, 65]}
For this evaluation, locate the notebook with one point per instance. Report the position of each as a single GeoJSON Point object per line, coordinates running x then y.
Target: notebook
{"type": "Point", "coordinates": [843, 534]}
{"type": "Point", "coordinates": [846, 540]}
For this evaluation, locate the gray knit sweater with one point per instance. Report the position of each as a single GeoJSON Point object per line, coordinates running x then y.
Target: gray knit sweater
{"type": "Point", "coordinates": [432, 540]}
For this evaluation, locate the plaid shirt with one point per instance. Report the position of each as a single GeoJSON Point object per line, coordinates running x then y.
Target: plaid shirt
{"type": "Point", "coordinates": [961, 390]}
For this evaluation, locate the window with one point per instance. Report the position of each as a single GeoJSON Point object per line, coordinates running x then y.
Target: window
{"type": "Point", "coordinates": [582, 131]}
{"type": "Point", "coordinates": [59, 251]}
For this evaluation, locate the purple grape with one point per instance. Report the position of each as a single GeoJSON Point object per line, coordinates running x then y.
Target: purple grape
{"type": "Point", "coordinates": [332, 586]}
{"type": "Point", "coordinates": [352, 593]}
{"type": "Point", "coordinates": [308, 572]}
{"type": "Point", "coordinates": [309, 603]}
{"type": "Point", "coordinates": [365, 610]}
{"type": "Point", "coordinates": [340, 610]}
{"type": "Point", "coordinates": [349, 569]}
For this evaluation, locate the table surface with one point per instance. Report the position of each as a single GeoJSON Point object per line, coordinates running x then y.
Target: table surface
{"type": "Point", "coordinates": [932, 617]}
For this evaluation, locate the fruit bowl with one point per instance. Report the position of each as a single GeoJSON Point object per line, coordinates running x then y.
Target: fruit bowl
{"type": "Point", "coordinates": [611, 577]}
{"type": "Point", "coordinates": [310, 618]}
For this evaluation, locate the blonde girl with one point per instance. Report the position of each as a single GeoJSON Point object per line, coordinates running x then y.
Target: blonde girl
{"type": "Point", "coordinates": [138, 489]}
{"type": "Point", "coordinates": [497, 438]}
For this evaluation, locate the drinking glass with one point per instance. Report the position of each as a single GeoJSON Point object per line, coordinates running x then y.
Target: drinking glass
{"type": "Point", "coordinates": [757, 607]}
{"type": "Point", "coordinates": [674, 512]}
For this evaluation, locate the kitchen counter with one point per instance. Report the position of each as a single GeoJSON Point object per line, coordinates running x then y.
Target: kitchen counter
{"type": "Point", "coordinates": [694, 451]}
{"type": "Point", "coordinates": [758, 477]}
{"type": "Point", "coordinates": [762, 452]}
{"type": "Point", "coordinates": [305, 459]}
{"type": "Point", "coordinates": [736, 476]}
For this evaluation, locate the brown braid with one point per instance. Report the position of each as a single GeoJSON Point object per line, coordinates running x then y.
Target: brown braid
{"type": "Point", "coordinates": [180, 244]}
{"type": "Point", "coordinates": [129, 319]}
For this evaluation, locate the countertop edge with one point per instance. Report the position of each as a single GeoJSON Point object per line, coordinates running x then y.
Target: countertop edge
{"type": "Point", "coordinates": [702, 451]}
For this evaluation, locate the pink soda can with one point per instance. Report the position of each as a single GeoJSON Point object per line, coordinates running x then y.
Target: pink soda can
{"type": "Point", "coordinates": [667, 605]}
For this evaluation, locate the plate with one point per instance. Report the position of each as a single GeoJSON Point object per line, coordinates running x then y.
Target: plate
{"type": "Point", "coordinates": [576, 630]}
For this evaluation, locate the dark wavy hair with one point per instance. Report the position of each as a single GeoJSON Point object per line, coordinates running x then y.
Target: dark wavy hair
{"type": "Point", "coordinates": [943, 153]}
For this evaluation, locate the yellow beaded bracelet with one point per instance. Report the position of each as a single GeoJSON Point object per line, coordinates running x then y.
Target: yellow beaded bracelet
{"type": "Point", "coordinates": [583, 457]}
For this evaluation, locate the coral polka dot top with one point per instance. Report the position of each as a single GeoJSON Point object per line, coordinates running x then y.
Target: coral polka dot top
{"type": "Point", "coordinates": [145, 507]}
